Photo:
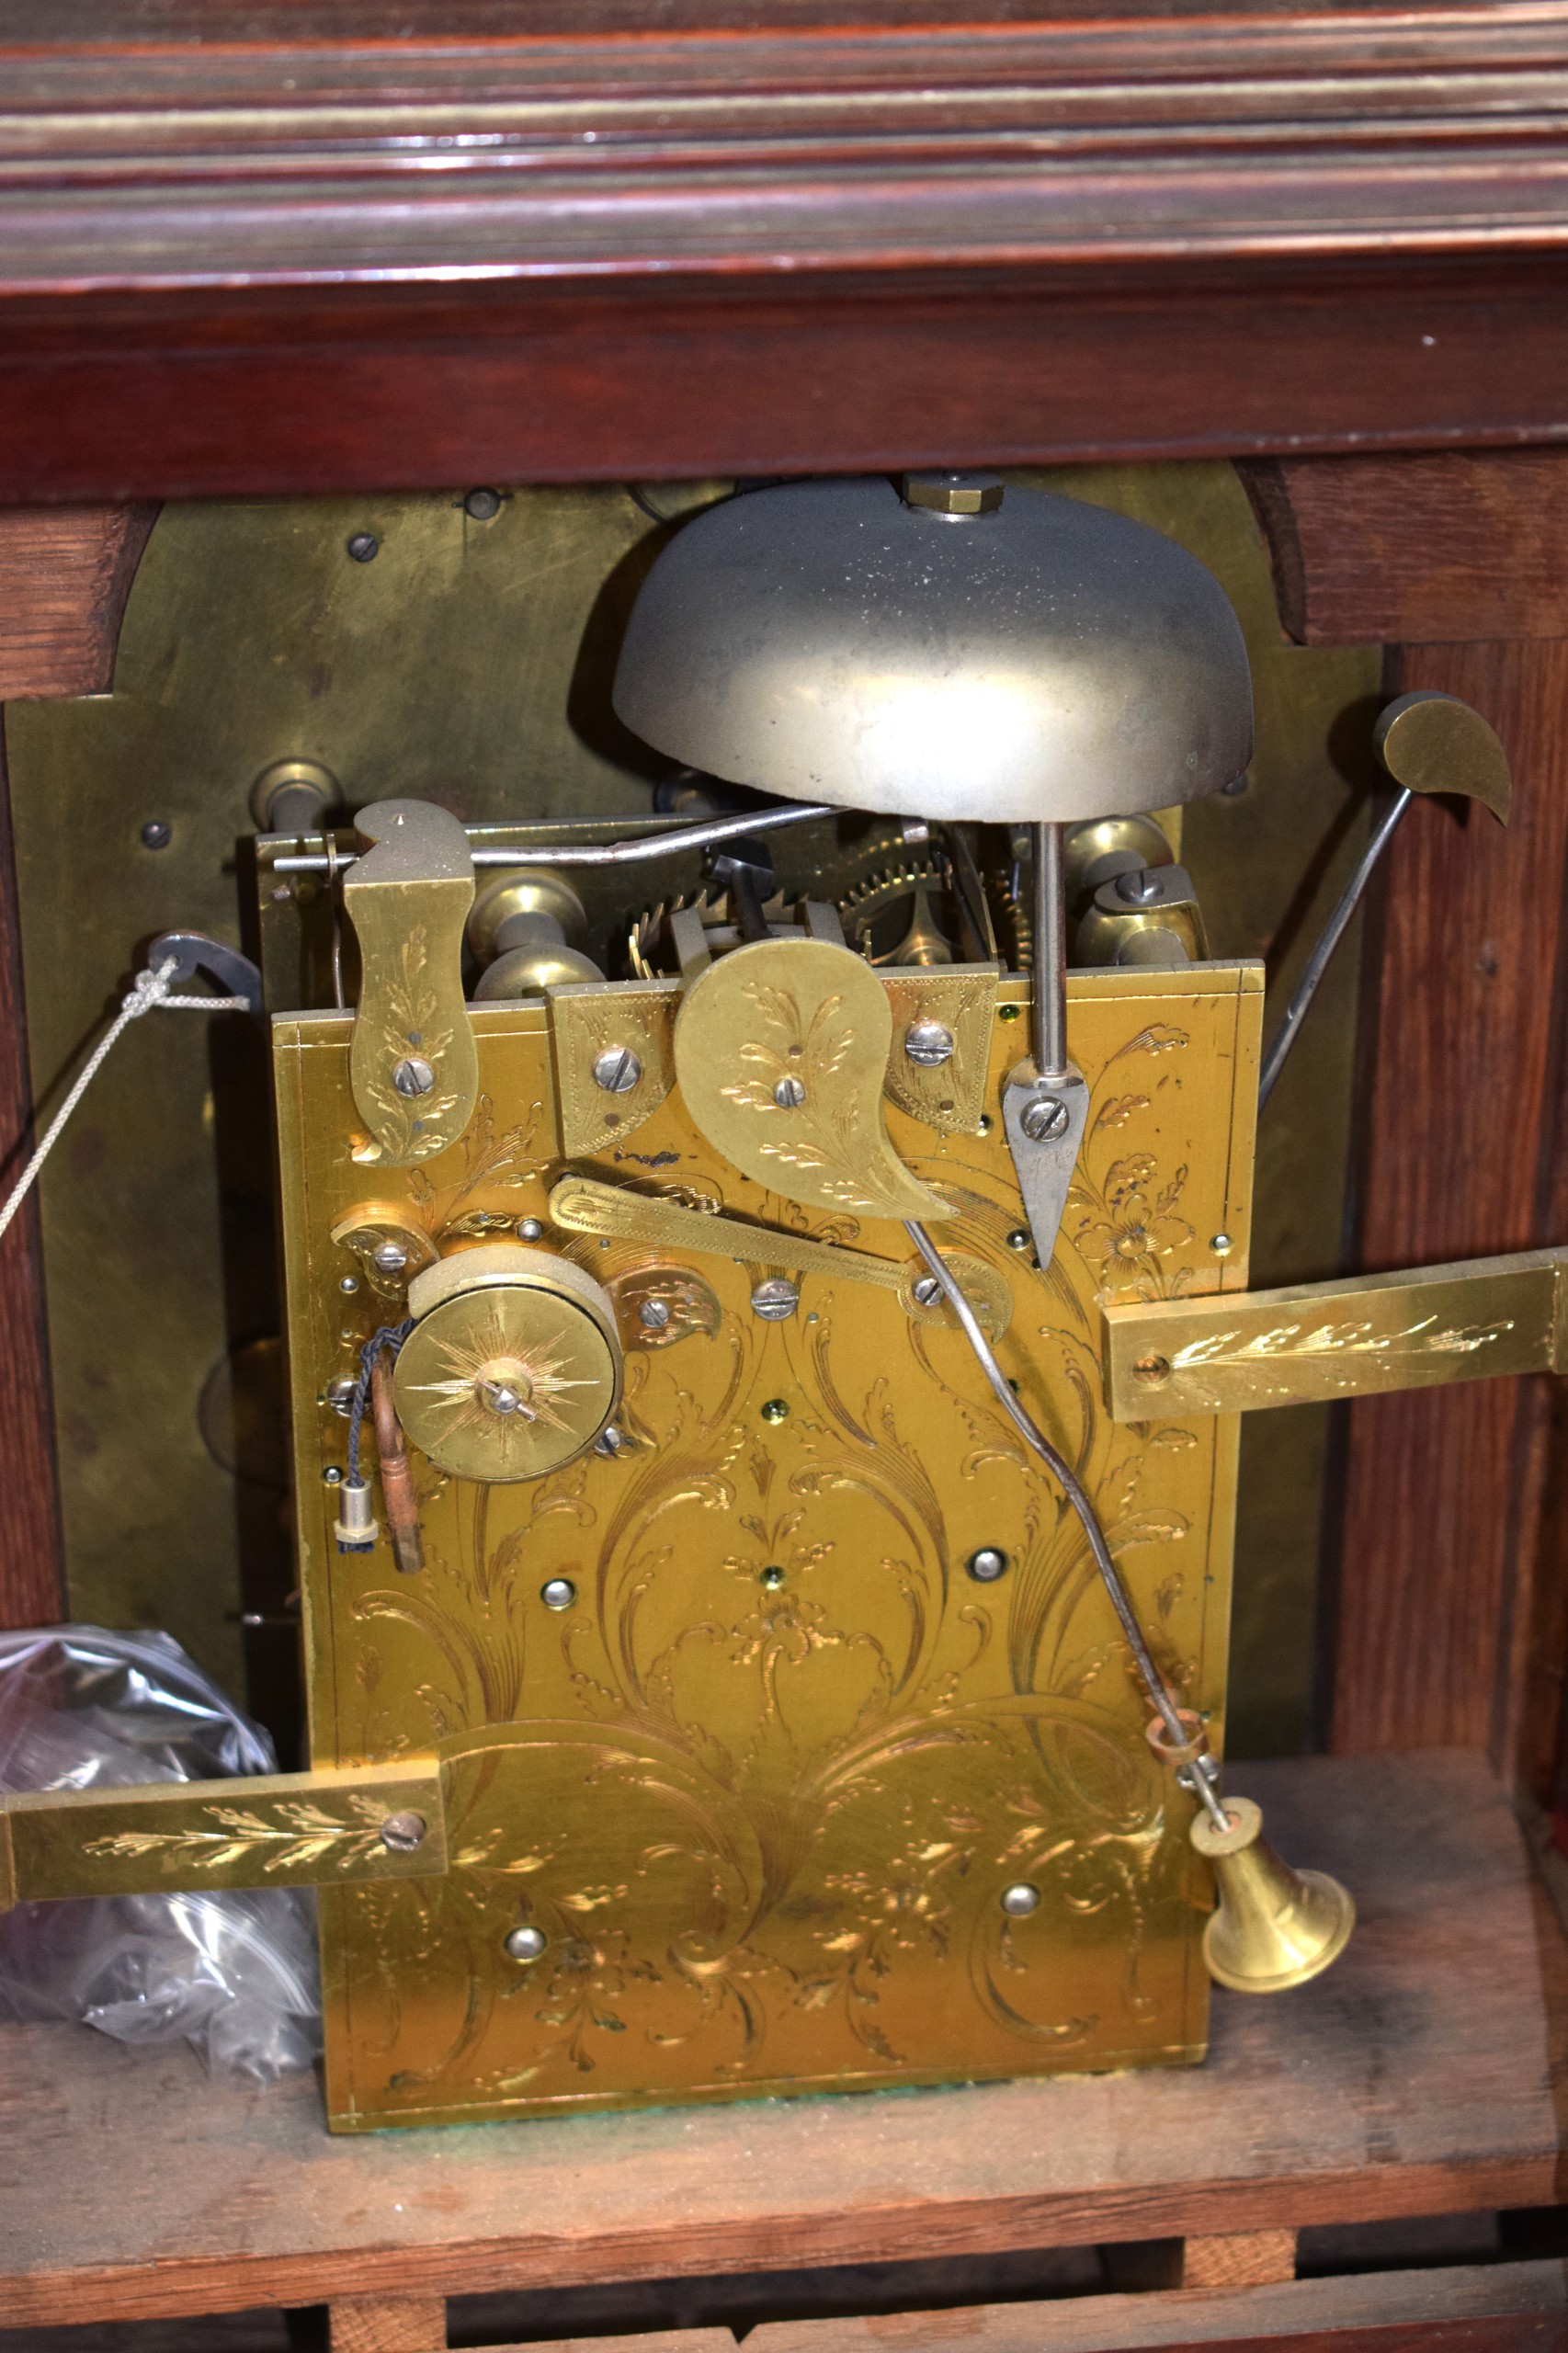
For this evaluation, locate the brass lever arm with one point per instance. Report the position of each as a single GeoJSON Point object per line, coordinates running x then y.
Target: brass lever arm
{"type": "Point", "coordinates": [336, 1827]}
{"type": "Point", "coordinates": [584, 1207]}
{"type": "Point", "coordinates": [581, 1205]}
{"type": "Point", "coordinates": [1238, 1351]}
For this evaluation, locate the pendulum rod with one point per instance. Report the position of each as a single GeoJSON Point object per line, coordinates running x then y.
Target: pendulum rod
{"type": "Point", "coordinates": [1049, 954]}
{"type": "Point", "coordinates": [1158, 1690]}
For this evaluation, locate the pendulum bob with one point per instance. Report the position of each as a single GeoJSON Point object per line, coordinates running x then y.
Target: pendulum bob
{"type": "Point", "coordinates": [1274, 1927]}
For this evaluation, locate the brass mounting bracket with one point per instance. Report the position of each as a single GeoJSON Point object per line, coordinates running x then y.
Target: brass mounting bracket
{"type": "Point", "coordinates": [1238, 1352]}
{"type": "Point", "coordinates": [413, 1065]}
{"type": "Point", "coordinates": [336, 1827]}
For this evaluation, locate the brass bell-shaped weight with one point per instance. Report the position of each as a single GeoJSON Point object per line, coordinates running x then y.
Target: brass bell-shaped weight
{"type": "Point", "coordinates": [1274, 1927]}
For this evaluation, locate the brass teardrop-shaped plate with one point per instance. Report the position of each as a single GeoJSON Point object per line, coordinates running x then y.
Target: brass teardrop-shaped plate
{"type": "Point", "coordinates": [780, 1051]}
{"type": "Point", "coordinates": [508, 1381]}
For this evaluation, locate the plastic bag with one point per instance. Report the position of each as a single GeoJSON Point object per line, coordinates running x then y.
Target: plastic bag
{"type": "Point", "coordinates": [235, 1974]}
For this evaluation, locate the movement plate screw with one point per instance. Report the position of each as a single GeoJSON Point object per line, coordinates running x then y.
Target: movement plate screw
{"type": "Point", "coordinates": [928, 1043]}
{"type": "Point", "coordinates": [617, 1070]}
{"type": "Point", "coordinates": [400, 1833]}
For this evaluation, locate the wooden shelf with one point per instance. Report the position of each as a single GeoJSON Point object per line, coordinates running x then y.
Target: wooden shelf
{"type": "Point", "coordinates": [1416, 2078]}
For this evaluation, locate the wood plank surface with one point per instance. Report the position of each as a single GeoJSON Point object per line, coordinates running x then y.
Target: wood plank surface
{"type": "Point", "coordinates": [1449, 546]}
{"type": "Point", "coordinates": [1414, 2078]}
{"type": "Point", "coordinates": [32, 1588]}
{"type": "Point", "coordinates": [1492, 2308]}
{"type": "Point", "coordinates": [65, 572]}
{"type": "Point", "coordinates": [1458, 1102]}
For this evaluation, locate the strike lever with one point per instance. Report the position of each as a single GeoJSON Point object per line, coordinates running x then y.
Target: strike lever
{"type": "Point", "coordinates": [1429, 743]}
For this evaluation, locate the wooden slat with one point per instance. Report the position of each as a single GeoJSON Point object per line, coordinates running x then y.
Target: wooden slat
{"type": "Point", "coordinates": [1417, 549]}
{"type": "Point", "coordinates": [65, 572]}
{"type": "Point", "coordinates": [388, 2325]}
{"type": "Point", "coordinates": [1460, 1009]}
{"type": "Point", "coordinates": [31, 1565]}
{"type": "Point", "coordinates": [1242, 2259]}
{"type": "Point", "coordinates": [1495, 2308]}
{"type": "Point", "coordinates": [1412, 2078]}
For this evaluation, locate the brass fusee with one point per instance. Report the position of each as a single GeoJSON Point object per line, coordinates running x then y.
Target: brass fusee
{"type": "Point", "coordinates": [1274, 1927]}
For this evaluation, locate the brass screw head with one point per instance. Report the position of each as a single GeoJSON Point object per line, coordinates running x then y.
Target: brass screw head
{"type": "Point", "coordinates": [953, 494]}
{"type": "Point", "coordinates": [1151, 1371]}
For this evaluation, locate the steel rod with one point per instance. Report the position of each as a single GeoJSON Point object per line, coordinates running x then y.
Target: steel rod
{"type": "Point", "coordinates": [1328, 939]}
{"type": "Point", "coordinates": [1061, 1471]}
{"type": "Point", "coordinates": [634, 851]}
{"type": "Point", "coordinates": [1050, 1025]}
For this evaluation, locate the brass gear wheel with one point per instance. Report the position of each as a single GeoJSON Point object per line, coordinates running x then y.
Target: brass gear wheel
{"type": "Point", "coordinates": [898, 914]}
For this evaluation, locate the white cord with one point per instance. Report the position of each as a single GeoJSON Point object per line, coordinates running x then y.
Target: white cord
{"type": "Point", "coordinates": [146, 990]}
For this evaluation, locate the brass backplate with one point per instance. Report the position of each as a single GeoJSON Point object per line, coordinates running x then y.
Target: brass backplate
{"type": "Point", "coordinates": [761, 1783]}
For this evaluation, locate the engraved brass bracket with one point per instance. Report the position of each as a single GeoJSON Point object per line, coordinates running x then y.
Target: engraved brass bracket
{"type": "Point", "coordinates": [949, 1096]}
{"type": "Point", "coordinates": [384, 1226]}
{"type": "Point", "coordinates": [781, 1050]}
{"type": "Point", "coordinates": [1474, 1320]}
{"type": "Point", "coordinates": [590, 1021]}
{"type": "Point", "coordinates": [413, 1064]}
{"type": "Point", "coordinates": [335, 1827]}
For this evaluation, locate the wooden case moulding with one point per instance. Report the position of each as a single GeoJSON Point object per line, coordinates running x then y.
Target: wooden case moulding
{"type": "Point", "coordinates": [638, 242]}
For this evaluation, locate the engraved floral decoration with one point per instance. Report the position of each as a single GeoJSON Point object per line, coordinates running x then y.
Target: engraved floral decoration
{"type": "Point", "coordinates": [1330, 1349]}
{"type": "Point", "coordinates": [691, 1830]}
{"type": "Point", "coordinates": [411, 1127]}
{"type": "Point", "coordinates": [291, 1835]}
{"type": "Point", "coordinates": [491, 1161]}
{"type": "Point", "coordinates": [834, 1130]}
{"type": "Point", "coordinates": [1122, 1214]}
